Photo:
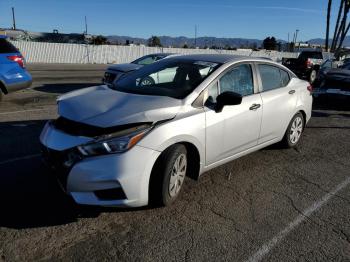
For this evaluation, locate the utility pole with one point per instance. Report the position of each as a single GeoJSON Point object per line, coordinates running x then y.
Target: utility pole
{"type": "Point", "coordinates": [86, 42]}
{"type": "Point", "coordinates": [86, 26]}
{"type": "Point", "coordinates": [296, 34]}
{"type": "Point", "coordinates": [296, 37]}
{"type": "Point", "coordinates": [195, 36]}
{"type": "Point", "coordinates": [13, 18]}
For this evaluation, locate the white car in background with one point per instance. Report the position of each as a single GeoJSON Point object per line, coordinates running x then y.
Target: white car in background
{"type": "Point", "coordinates": [133, 143]}
{"type": "Point", "coordinates": [114, 72]}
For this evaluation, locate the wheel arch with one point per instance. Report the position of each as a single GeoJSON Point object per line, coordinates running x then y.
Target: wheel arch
{"type": "Point", "coordinates": [301, 111]}
{"type": "Point", "coordinates": [3, 87]}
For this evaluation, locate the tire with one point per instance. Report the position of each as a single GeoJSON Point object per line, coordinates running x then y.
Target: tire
{"type": "Point", "coordinates": [166, 183]}
{"type": "Point", "coordinates": [294, 131]}
{"type": "Point", "coordinates": [313, 76]}
{"type": "Point", "coordinates": [147, 81]}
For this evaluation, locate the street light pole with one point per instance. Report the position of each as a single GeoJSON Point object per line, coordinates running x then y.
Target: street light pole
{"type": "Point", "coordinates": [13, 18]}
{"type": "Point", "coordinates": [195, 36]}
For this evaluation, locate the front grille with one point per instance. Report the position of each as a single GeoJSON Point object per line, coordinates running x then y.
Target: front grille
{"type": "Point", "coordinates": [80, 129]}
{"type": "Point", "coordinates": [60, 162]}
{"type": "Point", "coordinates": [76, 128]}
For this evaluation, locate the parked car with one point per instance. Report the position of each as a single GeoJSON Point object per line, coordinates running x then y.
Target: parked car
{"type": "Point", "coordinates": [335, 84]}
{"type": "Point", "coordinates": [114, 72]}
{"type": "Point", "coordinates": [306, 66]}
{"type": "Point", "coordinates": [325, 67]}
{"type": "Point", "coordinates": [133, 143]}
{"type": "Point", "coordinates": [13, 75]}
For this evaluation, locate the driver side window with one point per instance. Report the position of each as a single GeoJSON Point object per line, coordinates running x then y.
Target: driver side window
{"type": "Point", "coordinates": [239, 80]}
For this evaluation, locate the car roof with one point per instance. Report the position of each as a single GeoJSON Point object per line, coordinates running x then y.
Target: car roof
{"type": "Point", "coordinates": [162, 54]}
{"type": "Point", "coordinates": [219, 58]}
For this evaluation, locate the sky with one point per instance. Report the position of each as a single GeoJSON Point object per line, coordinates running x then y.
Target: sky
{"type": "Point", "coordinates": [255, 19]}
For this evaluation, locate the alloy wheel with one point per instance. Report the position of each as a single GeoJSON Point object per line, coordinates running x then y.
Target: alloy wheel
{"type": "Point", "coordinates": [296, 130]}
{"type": "Point", "coordinates": [178, 174]}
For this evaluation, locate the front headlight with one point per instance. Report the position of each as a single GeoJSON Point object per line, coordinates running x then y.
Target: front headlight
{"type": "Point", "coordinates": [112, 144]}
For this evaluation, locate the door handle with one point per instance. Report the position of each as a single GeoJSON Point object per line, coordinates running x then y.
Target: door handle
{"type": "Point", "coordinates": [291, 92]}
{"type": "Point", "coordinates": [254, 106]}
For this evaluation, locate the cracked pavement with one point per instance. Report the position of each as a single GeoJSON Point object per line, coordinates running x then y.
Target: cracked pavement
{"type": "Point", "coordinates": [225, 216]}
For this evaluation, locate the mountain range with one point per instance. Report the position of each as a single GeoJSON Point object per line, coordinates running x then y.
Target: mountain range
{"type": "Point", "coordinates": [207, 41]}
{"type": "Point", "coordinates": [182, 40]}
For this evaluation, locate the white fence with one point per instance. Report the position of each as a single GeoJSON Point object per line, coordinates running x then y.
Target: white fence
{"type": "Point", "coordinates": [36, 52]}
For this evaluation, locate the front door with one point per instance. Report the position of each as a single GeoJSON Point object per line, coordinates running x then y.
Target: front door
{"type": "Point", "coordinates": [236, 128]}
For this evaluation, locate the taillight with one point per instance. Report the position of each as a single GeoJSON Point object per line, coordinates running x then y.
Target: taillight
{"type": "Point", "coordinates": [308, 63]}
{"type": "Point", "coordinates": [310, 88]}
{"type": "Point", "coordinates": [18, 59]}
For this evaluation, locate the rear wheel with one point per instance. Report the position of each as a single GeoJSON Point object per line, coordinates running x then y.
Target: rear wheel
{"type": "Point", "coordinates": [147, 81]}
{"type": "Point", "coordinates": [295, 128]}
{"type": "Point", "coordinates": [168, 176]}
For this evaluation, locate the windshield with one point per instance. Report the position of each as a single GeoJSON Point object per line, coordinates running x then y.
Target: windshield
{"type": "Point", "coordinates": [313, 55]}
{"type": "Point", "coordinates": [174, 78]}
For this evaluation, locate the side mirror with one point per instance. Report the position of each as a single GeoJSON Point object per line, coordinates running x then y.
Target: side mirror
{"type": "Point", "coordinates": [227, 99]}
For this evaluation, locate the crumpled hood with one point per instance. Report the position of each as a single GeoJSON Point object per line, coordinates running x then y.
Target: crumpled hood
{"type": "Point", "coordinates": [124, 67]}
{"type": "Point", "coordinates": [104, 107]}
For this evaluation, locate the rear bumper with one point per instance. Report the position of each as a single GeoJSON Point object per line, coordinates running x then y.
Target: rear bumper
{"type": "Point", "coordinates": [18, 86]}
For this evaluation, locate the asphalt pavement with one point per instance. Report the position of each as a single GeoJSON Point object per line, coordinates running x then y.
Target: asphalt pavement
{"type": "Point", "coordinates": [272, 205]}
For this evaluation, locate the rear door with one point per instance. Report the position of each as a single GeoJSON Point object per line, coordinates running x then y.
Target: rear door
{"type": "Point", "coordinates": [279, 99]}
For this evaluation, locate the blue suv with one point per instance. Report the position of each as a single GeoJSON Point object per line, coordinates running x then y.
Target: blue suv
{"type": "Point", "coordinates": [13, 75]}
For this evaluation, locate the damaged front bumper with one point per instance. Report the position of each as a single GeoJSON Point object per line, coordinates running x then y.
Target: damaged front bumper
{"type": "Point", "coordinates": [107, 180]}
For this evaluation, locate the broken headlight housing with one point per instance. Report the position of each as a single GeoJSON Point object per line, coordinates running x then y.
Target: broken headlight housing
{"type": "Point", "coordinates": [115, 143]}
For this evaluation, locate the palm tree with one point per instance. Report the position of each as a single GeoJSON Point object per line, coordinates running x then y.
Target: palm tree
{"type": "Point", "coordinates": [328, 21]}
{"type": "Point", "coordinates": [334, 43]}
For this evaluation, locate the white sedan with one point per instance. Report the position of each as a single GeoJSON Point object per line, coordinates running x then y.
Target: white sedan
{"type": "Point", "coordinates": [133, 143]}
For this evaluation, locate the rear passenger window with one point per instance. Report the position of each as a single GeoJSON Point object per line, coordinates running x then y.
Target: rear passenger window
{"type": "Point", "coordinates": [6, 47]}
{"type": "Point", "coordinates": [272, 77]}
{"type": "Point", "coordinates": [238, 80]}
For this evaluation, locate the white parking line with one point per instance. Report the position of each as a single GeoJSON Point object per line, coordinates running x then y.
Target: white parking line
{"type": "Point", "coordinates": [267, 247]}
{"type": "Point", "coordinates": [19, 158]}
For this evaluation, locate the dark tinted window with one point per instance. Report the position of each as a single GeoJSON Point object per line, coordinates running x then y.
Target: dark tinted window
{"type": "Point", "coordinates": [238, 80]}
{"type": "Point", "coordinates": [7, 47]}
{"type": "Point", "coordinates": [314, 55]}
{"type": "Point", "coordinates": [272, 77]}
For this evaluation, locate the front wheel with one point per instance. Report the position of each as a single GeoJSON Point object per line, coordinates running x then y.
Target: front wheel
{"type": "Point", "coordinates": [295, 129]}
{"type": "Point", "coordinates": [168, 176]}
